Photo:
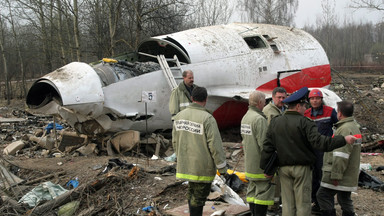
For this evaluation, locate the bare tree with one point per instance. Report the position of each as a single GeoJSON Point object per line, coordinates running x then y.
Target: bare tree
{"type": "Point", "coordinates": [280, 12]}
{"type": "Point", "coordinates": [367, 4]}
{"type": "Point", "coordinates": [113, 20]}
{"type": "Point", "coordinates": [213, 12]}
{"type": "Point", "coordinates": [151, 17]}
{"type": "Point", "coordinates": [17, 45]}
{"type": "Point", "coordinates": [5, 67]}
{"type": "Point", "coordinates": [61, 31]}
{"type": "Point", "coordinates": [327, 22]}
{"type": "Point", "coordinates": [73, 9]}
{"type": "Point", "coordinates": [40, 20]}
{"type": "Point", "coordinates": [97, 27]}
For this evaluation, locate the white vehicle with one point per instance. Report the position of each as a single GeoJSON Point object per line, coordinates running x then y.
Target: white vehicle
{"type": "Point", "coordinates": [229, 60]}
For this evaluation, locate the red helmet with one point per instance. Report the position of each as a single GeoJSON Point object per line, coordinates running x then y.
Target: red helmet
{"type": "Point", "coordinates": [315, 93]}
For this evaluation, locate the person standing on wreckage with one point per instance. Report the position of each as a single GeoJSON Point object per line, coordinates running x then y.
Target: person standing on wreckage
{"type": "Point", "coordinates": [324, 117]}
{"type": "Point", "coordinates": [199, 150]}
{"type": "Point", "coordinates": [341, 166]}
{"type": "Point", "coordinates": [181, 96]}
{"type": "Point", "coordinates": [294, 136]}
{"type": "Point", "coordinates": [260, 191]}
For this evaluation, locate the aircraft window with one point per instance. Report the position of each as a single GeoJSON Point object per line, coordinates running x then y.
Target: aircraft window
{"type": "Point", "coordinates": [255, 42]}
{"type": "Point", "coordinates": [274, 48]}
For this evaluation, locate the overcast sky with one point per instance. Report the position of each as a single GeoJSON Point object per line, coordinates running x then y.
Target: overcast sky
{"type": "Point", "coordinates": [310, 10]}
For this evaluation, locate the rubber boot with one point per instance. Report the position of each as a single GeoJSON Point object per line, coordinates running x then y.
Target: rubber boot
{"type": "Point", "coordinates": [345, 213]}
{"type": "Point", "coordinates": [328, 212]}
{"type": "Point", "coordinates": [196, 210]}
{"type": "Point", "coordinates": [252, 208]}
{"type": "Point", "coordinates": [260, 210]}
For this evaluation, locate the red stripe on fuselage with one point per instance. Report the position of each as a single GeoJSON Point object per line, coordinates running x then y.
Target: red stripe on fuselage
{"type": "Point", "coordinates": [230, 114]}
{"type": "Point", "coordinates": [312, 77]}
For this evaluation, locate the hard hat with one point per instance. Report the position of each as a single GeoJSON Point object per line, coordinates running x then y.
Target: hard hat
{"type": "Point", "coordinates": [315, 93]}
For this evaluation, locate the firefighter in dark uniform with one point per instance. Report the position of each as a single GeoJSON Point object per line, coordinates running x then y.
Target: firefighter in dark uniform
{"type": "Point", "coordinates": [295, 137]}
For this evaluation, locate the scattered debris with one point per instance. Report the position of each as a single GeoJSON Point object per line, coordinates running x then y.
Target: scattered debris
{"type": "Point", "coordinates": [368, 181]}
{"type": "Point", "coordinates": [44, 191]}
{"type": "Point", "coordinates": [8, 179]}
{"type": "Point", "coordinates": [12, 148]}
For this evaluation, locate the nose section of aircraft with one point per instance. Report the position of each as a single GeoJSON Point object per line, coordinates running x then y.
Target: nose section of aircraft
{"type": "Point", "coordinates": [76, 86]}
{"type": "Point", "coordinates": [41, 93]}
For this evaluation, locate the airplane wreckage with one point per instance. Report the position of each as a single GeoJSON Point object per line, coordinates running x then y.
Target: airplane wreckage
{"type": "Point", "coordinates": [131, 92]}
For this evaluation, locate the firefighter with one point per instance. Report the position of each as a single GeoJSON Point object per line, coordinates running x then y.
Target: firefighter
{"type": "Point", "coordinates": [260, 191]}
{"type": "Point", "coordinates": [341, 166]}
{"type": "Point", "coordinates": [199, 150]}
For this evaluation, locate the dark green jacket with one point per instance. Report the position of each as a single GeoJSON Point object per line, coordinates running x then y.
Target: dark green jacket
{"type": "Point", "coordinates": [343, 164]}
{"type": "Point", "coordinates": [295, 137]}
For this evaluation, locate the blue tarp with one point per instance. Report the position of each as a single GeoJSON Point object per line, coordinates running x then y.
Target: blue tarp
{"type": "Point", "coordinates": [50, 127]}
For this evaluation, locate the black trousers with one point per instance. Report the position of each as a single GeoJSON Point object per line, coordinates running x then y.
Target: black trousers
{"type": "Point", "coordinates": [325, 197]}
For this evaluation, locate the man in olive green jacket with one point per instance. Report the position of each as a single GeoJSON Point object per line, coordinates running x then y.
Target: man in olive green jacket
{"type": "Point", "coordinates": [199, 150]}
{"type": "Point", "coordinates": [276, 106]}
{"type": "Point", "coordinates": [181, 96]}
{"type": "Point", "coordinates": [341, 166]}
{"type": "Point", "coordinates": [260, 191]}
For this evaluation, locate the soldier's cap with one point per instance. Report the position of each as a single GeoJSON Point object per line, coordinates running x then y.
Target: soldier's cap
{"type": "Point", "coordinates": [300, 96]}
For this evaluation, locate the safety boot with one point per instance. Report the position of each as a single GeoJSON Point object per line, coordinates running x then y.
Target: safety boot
{"type": "Point", "coordinates": [345, 213]}
{"type": "Point", "coordinates": [252, 208]}
{"type": "Point", "coordinates": [260, 210]}
{"type": "Point", "coordinates": [331, 212]}
{"type": "Point", "coordinates": [196, 210]}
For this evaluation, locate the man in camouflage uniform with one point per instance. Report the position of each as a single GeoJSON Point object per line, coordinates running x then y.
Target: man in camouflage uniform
{"type": "Point", "coordinates": [341, 166]}
{"type": "Point", "coordinates": [260, 191]}
{"type": "Point", "coordinates": [181, 96]}
{"type": "Point", "coordinates": [199, 150]}
{"type": "Point", "coordinates": [294, 137]}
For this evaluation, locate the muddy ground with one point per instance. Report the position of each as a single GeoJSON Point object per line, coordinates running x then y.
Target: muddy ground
{"type": "Point", "coordinates": [126, 191]}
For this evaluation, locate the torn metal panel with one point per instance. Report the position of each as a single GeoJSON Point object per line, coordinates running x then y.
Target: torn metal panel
{"type": "Point", "coordinates": [8, 179]}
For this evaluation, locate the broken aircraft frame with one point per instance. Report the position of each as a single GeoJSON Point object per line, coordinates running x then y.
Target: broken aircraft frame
{"type": "Point", "coordinates": [229, 60]}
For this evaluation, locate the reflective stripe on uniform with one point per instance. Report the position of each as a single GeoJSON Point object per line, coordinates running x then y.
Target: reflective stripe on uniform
{"type": "Point", "coordinates": [222, 165]}
{"type": "Point", "coordinates": [194, 177]}
{"type": "Point", "coordinates": [321, 119]}
{"type": "Point", "coordinates": [260, 202]}
{"type": "Point", "coordinates": [255, 176]}
{"type": "Point", "coordinates": [341, 154]}
{"type": "Point", "coordinates": [184, 104]}
{"type": "Point", "coordinates": [338, 187]}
